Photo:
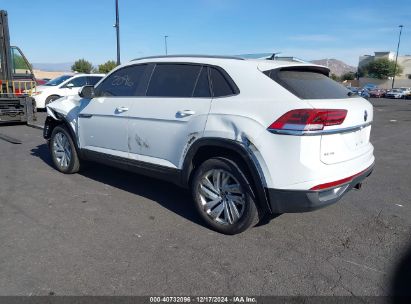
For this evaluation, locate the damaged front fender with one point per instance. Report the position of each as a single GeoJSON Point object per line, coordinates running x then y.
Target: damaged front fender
{"type": "Point", "coordinates": [64, 110]}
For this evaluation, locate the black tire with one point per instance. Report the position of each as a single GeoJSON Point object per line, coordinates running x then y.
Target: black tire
{"type": "Point", "coordinates": [248, 212]}
{"type": "Point", "coordinates": [51, 98]}
{"type": "Point", "coordinates": [72, 165]}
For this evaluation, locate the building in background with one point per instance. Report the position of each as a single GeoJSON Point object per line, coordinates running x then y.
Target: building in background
{"type": "Point", "coordinates": [403, 61]}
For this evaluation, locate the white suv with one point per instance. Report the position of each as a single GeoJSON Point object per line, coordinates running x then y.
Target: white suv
{"type": "Point", "coordinates": [64, 85]}
{"type": "Point", "coordinates": [248, 137]}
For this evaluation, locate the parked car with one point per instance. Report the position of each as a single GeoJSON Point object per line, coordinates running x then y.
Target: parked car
{"type": "Point", "coordinates": [353, 89]}
{"type": "Point", "coordinates": [247, 137]}
{"type": "Point", "coordinates": [40, 81]}
{"type": "Point", "coordinates": [364, 93]}
{"type": "Point", "coordinates": [370, 86]}
{"type": "Point", "coordinates": [396, 93]}
{"type": "Point", "coordinates": [358, 91]}
{"type": "Point", "coordinates": [407, 91]}
{"type": "Point", "coordinates": [64, 85]}
{"type": "Point", "coordinates": [377, 93]}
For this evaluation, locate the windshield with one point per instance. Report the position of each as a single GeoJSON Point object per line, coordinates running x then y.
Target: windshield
{"type": "Point", "coordinates": [58, 80]}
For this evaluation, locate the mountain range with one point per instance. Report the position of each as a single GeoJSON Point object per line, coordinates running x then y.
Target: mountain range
{"type": "Point", "coordinates": [53, 67]}
{"type": "Point", "coordinates": [336, 66]}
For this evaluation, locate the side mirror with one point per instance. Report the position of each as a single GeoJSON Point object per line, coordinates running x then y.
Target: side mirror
{"type": "Point", "coordinates": [87, 92]}
{"type": "Point", "coordinates": [70, 85]}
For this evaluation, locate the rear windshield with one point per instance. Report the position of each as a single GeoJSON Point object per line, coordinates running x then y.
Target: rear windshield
{"type": "Point", "coordinates": [309, 84]}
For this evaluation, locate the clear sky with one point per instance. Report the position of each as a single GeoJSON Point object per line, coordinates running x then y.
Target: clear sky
{"type": "Point", "coordinates": [55, 31]}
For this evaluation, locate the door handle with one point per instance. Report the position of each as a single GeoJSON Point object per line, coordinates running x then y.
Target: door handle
{"type": "Point", "coordinates": [184, 113]}
{"type": "Point", "coordinates": [121, 109]}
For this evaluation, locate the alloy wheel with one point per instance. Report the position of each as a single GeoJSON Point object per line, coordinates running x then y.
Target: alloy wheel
{"type": "Point", "coordinates": [222, 197]}
{"type": "Point", "coordinates": [62, 150]}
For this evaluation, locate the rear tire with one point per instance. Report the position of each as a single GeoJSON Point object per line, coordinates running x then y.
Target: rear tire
{"type": "Point", "coordinates": [223, 196]}
{"type": "Point", "coordinates": [63, 151]}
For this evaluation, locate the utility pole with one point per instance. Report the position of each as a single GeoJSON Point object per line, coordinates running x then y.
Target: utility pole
{"type": "Point", "coordinates": [165, 44]}
{"type": "Point", "coordinates": [396, 57]}
{"type": "Point", "coordinates": [117, 26]}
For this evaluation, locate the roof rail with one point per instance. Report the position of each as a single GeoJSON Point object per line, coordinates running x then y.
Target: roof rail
{"type": "Point", "coordinates": [193, 56]}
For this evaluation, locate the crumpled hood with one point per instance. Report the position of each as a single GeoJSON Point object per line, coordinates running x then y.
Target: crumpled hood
{"type": "Point", "coordinates": [67, 107]}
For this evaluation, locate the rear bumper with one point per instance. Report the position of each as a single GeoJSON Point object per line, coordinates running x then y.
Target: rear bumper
{"type": "Point", "coordinates": [293, 201]}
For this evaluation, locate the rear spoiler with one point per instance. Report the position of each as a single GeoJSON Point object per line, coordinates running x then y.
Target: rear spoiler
{"type": "Point", "coordinates": [296, 67]}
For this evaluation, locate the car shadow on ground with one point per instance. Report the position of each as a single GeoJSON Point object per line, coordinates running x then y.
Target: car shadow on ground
{"type": "Point", "coordinates": [42, 152]}
{"type": "Point", "coordinates": [401, 279]}
{"type": "Point", "coordinates": [168, 195]}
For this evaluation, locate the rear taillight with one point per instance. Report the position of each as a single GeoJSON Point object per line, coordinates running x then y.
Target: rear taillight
{"type": "Point", "coordinates": [309, 119]}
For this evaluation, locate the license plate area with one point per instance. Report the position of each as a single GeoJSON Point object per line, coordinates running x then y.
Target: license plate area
{"type": "Point", "coordinates": [341, 147]}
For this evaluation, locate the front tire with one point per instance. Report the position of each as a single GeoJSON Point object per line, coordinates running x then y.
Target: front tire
{"type": "Point", "coordinates": [63, 151]}
{"type": "Point", "coordinates": [223, 196]}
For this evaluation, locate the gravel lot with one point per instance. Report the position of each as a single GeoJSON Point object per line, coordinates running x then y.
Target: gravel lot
{"type": "Point", "coordinates": [109, 232]}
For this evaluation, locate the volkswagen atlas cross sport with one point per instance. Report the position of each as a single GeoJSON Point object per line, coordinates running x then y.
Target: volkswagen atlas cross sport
{"type": "Point", "coordinates": [247, 137]}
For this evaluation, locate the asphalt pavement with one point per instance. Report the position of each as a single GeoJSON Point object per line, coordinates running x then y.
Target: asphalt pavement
{"type": "Point", "coordinates": [109, 232]}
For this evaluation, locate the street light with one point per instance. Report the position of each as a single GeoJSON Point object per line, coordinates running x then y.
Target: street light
{"type": "Point", "coordinates": [396, 57]}
{"type": "Point", "coordinates": [165, 44]}
{"type": "Point", "coordinates": [117, 26]}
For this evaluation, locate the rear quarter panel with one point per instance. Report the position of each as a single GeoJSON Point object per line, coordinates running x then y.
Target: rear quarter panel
{"type": "Point", "coordinates": [245, 117]}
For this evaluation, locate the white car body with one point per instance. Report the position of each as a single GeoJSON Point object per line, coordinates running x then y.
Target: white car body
{"type": "Point", "coordinates": [396, 93]}
{"type": "Point", "coordinates": [298, 170]}
{"type": "Point", "coordinates": [69, 87]}
{"type": "Point", "coordinates": [407, 91]}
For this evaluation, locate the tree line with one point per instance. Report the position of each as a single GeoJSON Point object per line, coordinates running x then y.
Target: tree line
{"type": "Point", "coordinates": [381, 68]}
{"type": "Point", "coordinates": [84, 66]}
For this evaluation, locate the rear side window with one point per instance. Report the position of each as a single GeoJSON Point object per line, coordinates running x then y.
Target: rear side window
{"type": "Point", "coordinates": [173, 80]}
{"type": "Point", "coordinates": [77, 82]}
{"type": "Point", "coordinates": [123, 82]}
{"type": "Point", "coordinates": [92, 80]}
{"type": "Point", "coordinates": [202, 88]}
{"type": "Point", "coordinates": [309, 84]}
{"type": "Point", "coordinates": [221, 87]}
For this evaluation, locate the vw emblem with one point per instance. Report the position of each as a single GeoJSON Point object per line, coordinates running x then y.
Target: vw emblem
{"type": "Point", "coordinates": [365, 115]}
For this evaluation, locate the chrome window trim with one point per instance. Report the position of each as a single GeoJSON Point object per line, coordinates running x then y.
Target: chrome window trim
{"type": "Point", "coordinates": [320, 132]}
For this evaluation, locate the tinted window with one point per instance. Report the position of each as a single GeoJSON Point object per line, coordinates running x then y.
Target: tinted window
{"type": "Point", "coordinates": [220, 85]}
{"type": "Point", "coordinates": [202, 88]}
{"type": "Point", "coordinates": [123, 82]}
{"type": "Point", "coordinates": [92, 80]}
{"type": "Point", "coordinates": [310, 85]}
{"type": "Point", "coordinates": [58, 80]}
{"type": "Point", "coordinates": [77, 82]}
{"type": "Point", "coordinates": [173, 80]}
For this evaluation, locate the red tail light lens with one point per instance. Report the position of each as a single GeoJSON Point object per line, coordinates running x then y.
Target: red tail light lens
{"type": "Point", "coordinates": [309, 119]}
{"type": "Point", "coordinates": [338, 182]}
